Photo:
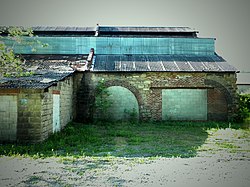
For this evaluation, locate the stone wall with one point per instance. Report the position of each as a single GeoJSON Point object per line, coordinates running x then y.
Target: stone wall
{"type": "Point", "coordinates": [29, 115]}
{"type": "Point", "coordinates": [84, 96]}
{"type": "Point", "coordinates": [65, 90]}
{"type": "Point", "coordinates": [27, 122]}
{"type": "Point", "coordinates": [147, 88]}
{"type": "Point", "coordinates": [47, 114]}
{"type": "Point", "coordinates": [66, 101]}
{"type": "Point", "coordinates": [223, 97]}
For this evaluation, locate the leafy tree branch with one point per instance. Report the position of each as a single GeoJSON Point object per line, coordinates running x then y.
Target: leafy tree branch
{"type": "Point", "coordinates": [12, 64]}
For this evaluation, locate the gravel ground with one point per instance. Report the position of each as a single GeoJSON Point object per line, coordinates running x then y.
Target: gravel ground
{"type": "Point", "coordinates": [213, 166]}
{"type": "Point", "coordinates": [198, 171]}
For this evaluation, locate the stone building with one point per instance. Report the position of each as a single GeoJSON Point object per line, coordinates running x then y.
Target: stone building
{"type": "Point", "coordinates": [151, 73]}
{"type": "Point", "coordinates": [243, 82]}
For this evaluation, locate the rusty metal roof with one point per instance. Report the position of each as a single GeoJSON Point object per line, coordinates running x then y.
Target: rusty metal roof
{"type": "Point", "coordinates": [161, 63]}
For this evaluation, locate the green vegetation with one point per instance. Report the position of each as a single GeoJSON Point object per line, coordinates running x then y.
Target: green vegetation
{"type": "Point", "coordinates": [102, 103]}
{"type": "Point", "coordinates": [169, 139]}
{"type": "Point", "coordinates": [244, 109]}
{"type": "Point", "coordinates": [230, 140]}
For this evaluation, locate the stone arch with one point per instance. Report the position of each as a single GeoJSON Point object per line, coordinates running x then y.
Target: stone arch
{"type": "Point", "coordinates": [230, 97]}
{"type": "Point", "coordinates": [131, 88]}
{"type": "Point", "coordinates": [222, 88]}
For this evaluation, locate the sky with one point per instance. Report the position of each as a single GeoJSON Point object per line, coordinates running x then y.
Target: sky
{"type": "Point", "coordinates": [225, 20]}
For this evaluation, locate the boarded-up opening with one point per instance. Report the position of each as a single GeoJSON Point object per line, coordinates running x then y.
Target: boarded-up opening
{"type": "Point", "coordinates": [56, 113]}
{"type": "Point", "coordinates": [217, 105]}
{"type": "Point", "coordinates": [124, 105]}
{"type": "Point", "coordinates": [8, 118]}
{"type": "Point", "coordinates": [184, 104]}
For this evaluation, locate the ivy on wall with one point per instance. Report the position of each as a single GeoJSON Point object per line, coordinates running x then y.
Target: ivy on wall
{"type": "Point", "coordinates": [102, 103]}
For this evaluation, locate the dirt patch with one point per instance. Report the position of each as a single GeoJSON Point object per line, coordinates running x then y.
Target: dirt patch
{"type": "Point", "coordinates": [110, 171]}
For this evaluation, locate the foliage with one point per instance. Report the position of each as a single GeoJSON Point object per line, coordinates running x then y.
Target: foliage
{"type": "Point", "coordinates": [12, 64]}
{"type": "Point", "coordinates": [244, 108]}
{"type": "Point", "coordinates": [102, 103]}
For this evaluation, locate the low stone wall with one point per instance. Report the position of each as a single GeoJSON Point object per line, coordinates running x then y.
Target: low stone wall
{"type": "Point", "coordinates": [147, 88]}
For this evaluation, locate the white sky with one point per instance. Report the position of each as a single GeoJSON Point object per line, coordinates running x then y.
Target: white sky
{"type": "Point", "coordinates": [226, 20]}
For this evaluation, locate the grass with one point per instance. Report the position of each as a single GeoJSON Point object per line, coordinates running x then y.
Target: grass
{"type": "Point", "coordinates": [230, 140]}
{"type": "Point", "coordinates": [169, 139]}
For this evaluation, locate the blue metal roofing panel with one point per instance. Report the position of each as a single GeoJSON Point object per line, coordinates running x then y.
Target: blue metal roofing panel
{"type": "Point", "coordinates": [116, 46]}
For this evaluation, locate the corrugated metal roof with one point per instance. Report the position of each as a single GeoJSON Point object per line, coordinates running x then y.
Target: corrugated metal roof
{"type": "Point", "coordinates": [161, 63]}
{"type": "Point", "coordinates": [36, 81]}
{"type": "Point", "coordinates": [115, 31]}
{"type": "Point", "coordinates": [145, 29]}
{"type": "Point", "coordinates": [63, 29]}
{"type": "Point", "coordinates": [47, 62]}
{"type": "Point", "coordinates": [48, 69]}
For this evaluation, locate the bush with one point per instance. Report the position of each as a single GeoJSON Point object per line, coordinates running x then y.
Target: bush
{"type": "Point", "coordinates": [244, 108]}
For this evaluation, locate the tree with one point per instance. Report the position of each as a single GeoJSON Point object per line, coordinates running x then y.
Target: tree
{"type": "Point", "coordinates": [12, 64]}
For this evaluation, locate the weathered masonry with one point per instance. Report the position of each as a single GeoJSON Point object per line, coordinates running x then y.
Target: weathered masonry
{"type": "Point", "coordinates": [152, 73]}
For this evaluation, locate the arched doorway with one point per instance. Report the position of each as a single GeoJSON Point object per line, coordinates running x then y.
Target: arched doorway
{"type": "Point", "coordinates": [124, 105]}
